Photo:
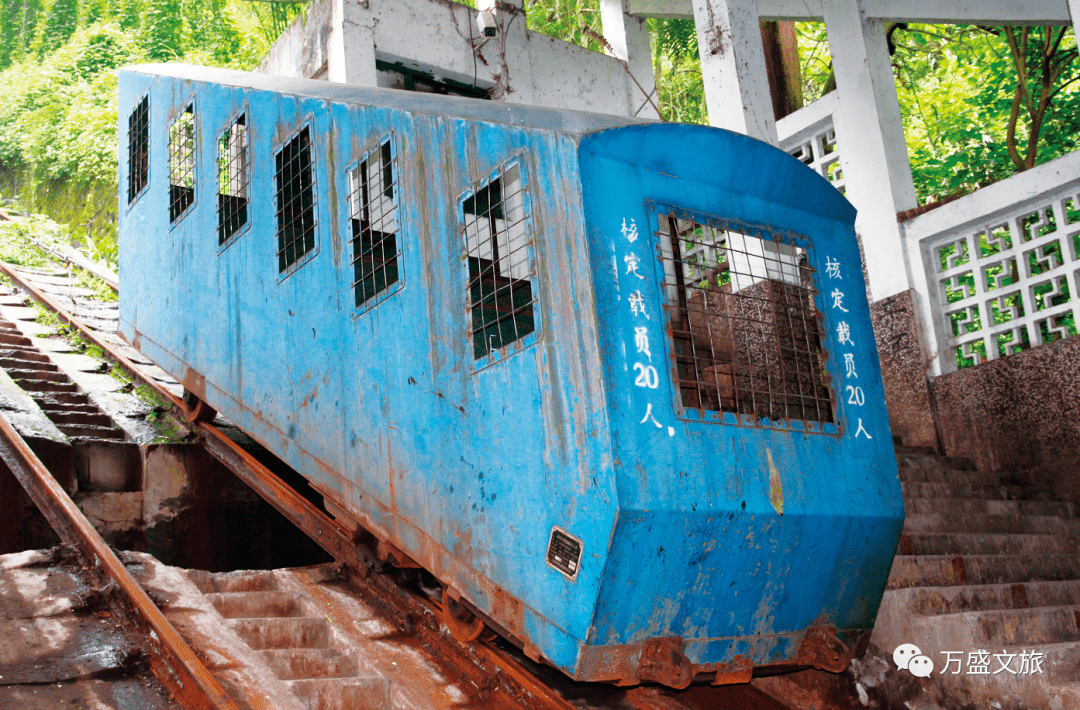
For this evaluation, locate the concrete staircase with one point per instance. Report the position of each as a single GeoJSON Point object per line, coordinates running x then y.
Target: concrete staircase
{"type": "Point", "coordinates": [985, 564]}
{"type": "Point", "coordinates": [299, 648]}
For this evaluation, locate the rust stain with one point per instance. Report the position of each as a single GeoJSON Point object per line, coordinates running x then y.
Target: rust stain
{"type": "Point", "coordinates": [662, 661]}
{"type": "Point", "coordinates": [821, 648]}
{"type": "Point", "coordinates": [776, 491]}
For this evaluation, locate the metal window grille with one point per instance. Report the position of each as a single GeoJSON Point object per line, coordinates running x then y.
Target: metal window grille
{"type": "Point", "coordinates": [744, 327]}
{"type": "Point", "coordinates": [182, 164]}
{"type": "Point", "coordinates": [138, 149]}
{"type": "Point", "coordinates": [374, 224]}
{"type": "Point", "coordinates": [501, 292]}
{"type": "Point", "coordinates": [233, 180]}
{"type": "Point", "coordinates": [295, 200]}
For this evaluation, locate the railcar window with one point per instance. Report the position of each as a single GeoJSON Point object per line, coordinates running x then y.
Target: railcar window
{"type": "Point", "coordinates": [182, 164]}
{"type": "Point", "coordinates": [138, 149]}
{"type": "Point", "coordinates": [374, 223]}
{"type": "Point", "coordinates": [233, 180]}
{"type": "Point", "coordinates": [501, 292]}
{"type": "Point", "coordinates": [744, 324]}
{"type": "Point", "coordinates": [295, 200]}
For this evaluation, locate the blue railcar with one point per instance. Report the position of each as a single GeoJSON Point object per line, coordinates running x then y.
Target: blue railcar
{"type": "Point", "coordinates": [612, 382]}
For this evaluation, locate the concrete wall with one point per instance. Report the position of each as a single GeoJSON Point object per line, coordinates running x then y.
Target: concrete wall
{"type": "Point", "coordinates": [441, 38]}
{"type": "Point", "coordinates": [1019, 413]}
{"type": "Point", "coordinates": [903, 369]}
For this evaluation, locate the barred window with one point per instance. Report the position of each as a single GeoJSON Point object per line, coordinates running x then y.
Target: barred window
{"type": "Point", "coordinates": [374, 224]}
{"type": "Point", "coordinates": [295, 194]}
{"type": "Point", "coordinates": [233, 180]}
{"type": "Point", "coordinates": [744, 325]}
{"type": "Point", "coordinates": [501, 293]}
{"type": "Point", "coordinates": [182, 164]}
{"type": "Point", "coordinates": [138, 149]}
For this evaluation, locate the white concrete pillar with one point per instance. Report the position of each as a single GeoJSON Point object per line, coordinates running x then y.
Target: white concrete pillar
{"type": "Point", "coordinates": [878, 174]}
{"type": "Point", "coordinates": [515, 84]}
{"type": "Point", "coordinates": [1074, 11]}
{"type": "Point", "coordinates": [628, 37]}
{"type": "Point", "coordinates": [733, 67]}
{"type": "Point", "coordinates": [351, 53]}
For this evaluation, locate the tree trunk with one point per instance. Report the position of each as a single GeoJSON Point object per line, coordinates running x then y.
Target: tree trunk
{"type": "Point", "coordinates": [782, 65]}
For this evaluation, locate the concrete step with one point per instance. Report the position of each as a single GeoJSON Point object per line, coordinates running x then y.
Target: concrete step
{"type": "Point", "coordinates": [302, 663]}
{"type": "Point", "coordinates": [91, 433]}
{"type": "Point", "coordinates": [915, 489]}
{"type": "Point", "coordinates": [62, 399]}
{"type": "Point", "coordinates": [361, 693]}
{"type": "Point", "coordinates": [935, 601]}
{"type": "Point", "coordinates": [246, 581]}
{"type": "Point", "coordinates": [934, 462]}
{"type": "Point", "coordinates": [950, 570]}
{"type": "Point", "coordinates": [1018, 627]}
{"type": "Point", "coordinates": [902, 450]}
{"type": "Point", "coordinates": [255, 605]}
{"type": "Point", "coordinates": [50, 374]}
{"type": "Point", "coordinates": [96, 419]}
{"type": "Point", "coordinates": [977, 523]}
{"type": "Point", "coordinates": [45, 385]}
{"type": "Point", "coordinates": [14, 357]}
{"type": "Point", "coordinates": [51, 408]}
{"type": "Point", "coordinates": [293, 632]}
{"type": "Point", "coordinates": [956, 543]}
{"type": "Point", "coordinates": [958, 477]}
{"type": "Point", "coordinates": [983, 506]}
{"type": "Point", "coordinates": [17, 341]}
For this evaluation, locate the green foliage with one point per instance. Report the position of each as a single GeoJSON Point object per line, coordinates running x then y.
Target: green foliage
{"type": "Point", "coordinates": [574, 21]}
{"type": "Point", "coordinates": [16, 247]}
{"type": "Point", "coordinates": [58, 117]}
{"type": "Point", "coordinates": [60, 23]}
{"type": "Point", "coordinates": [957, 86]}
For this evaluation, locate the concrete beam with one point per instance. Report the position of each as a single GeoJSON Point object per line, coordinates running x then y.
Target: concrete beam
{"type": "Point", "coordinates": [878, 172]}
{"type": "Point", "coordinates": [733, 67]}
{"type": "Point", "coordinates": [628, 41]}
{"type": "Point", "coordinates": [1074, 11]}
{"type": "Point", "coordinates": [988, 12]}
{"type": "Point", "coordinates": [352, 52]}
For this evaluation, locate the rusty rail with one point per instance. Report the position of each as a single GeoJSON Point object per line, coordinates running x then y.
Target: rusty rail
{"type": "Point", "coordinates": [171, 659]}
{"type": "Point", "coordinates": [70, 256]}
{"type": "Point", "coordinates": [320, 527]}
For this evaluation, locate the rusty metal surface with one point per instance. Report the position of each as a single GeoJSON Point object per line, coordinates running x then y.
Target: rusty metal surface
{"type": "Point", "coordinates": [323, 529]}
{"type": "Point", "coordinates": [822, 649]}
{"type": "Point", "coordinates": [172, 661]}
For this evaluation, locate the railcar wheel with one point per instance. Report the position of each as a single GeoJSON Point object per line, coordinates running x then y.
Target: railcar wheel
{"type": "Point", "coordinates": [196, 410]}
{"type": "Point", "coordinates": [463, 624]}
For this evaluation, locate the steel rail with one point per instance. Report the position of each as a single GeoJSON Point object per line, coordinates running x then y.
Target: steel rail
{"type": "Point", "coordinates": [71, 256]}
{"type": "Point", "coordinates": [172, 661]}
{"type": "Point", "coordinates": [324, 530]}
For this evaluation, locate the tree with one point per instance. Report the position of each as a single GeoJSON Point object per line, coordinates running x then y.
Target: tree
{"type": "Point", "coordinates": [61, 21]}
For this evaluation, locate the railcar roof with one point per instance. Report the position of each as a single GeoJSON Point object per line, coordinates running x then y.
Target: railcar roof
{"type": "Point", "coordinates": [560, 120]}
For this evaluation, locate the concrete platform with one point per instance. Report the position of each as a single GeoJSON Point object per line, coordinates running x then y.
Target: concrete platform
{"type": "Point", "coordinates": [57, 650]}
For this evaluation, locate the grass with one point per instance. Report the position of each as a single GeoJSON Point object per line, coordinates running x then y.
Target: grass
{"type": "Point", "coordinates": [101, 290]}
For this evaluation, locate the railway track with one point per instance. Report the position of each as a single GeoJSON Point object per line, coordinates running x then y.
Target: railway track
{"type": "Point", "coordinates": [492, 671]}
